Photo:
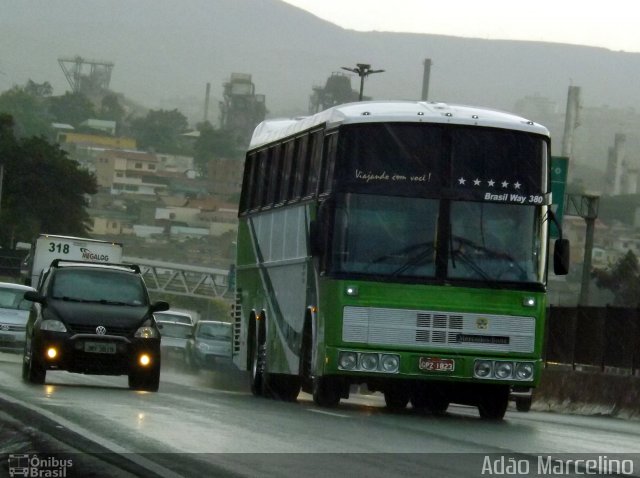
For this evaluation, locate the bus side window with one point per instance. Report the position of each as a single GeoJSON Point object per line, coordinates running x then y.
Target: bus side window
{"type": "Point", "coordinates": [287, 176]}
{"type": "Point", "coordinates": [260, 180]}
{"type": "Point", "coordinates": [315, 162]}
{"type": "Point", "coordinates": [274, 173]}
{"type": "Point", "coordinates": [328, 163]}
{"type": "Point", "coordinates": [300, 166]}
{"type": "Point", "coordinates": [248, 181]}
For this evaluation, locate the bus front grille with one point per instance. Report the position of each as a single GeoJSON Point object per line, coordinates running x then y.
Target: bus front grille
{"type": "Point", "coordinates": [437, 329]}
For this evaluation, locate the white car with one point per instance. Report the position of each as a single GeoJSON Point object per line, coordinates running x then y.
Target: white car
{"type": "Point", "coordinates": [14, 312]}
{"type": "Point", "coordinates": [174, 316]}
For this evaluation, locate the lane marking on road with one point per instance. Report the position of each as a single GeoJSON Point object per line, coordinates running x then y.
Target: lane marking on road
{"type": "Point", "coordinates": [104, 442]}
{"type": "Point", "coordinates": [322, 412]}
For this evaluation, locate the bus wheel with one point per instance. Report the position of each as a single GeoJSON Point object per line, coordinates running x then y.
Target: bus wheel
{"type": "Point", "coordinates": [523, 404]}
{"type": "Point", "coordinates": [493, 402]}
{"type": "Point", "coordinates": [326, 392]}
{"type": "Point", "coordinates": [283, 387]}
{"type": "Point", "coordinates": [396, 398]}
{"type": "Point", "coordinates": [257, 369]}
{"type": "Point", "coordinates": [432, 399]}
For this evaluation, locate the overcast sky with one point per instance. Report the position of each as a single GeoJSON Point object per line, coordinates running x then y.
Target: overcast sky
{"type": "Point", "coordinates": [611, 24]}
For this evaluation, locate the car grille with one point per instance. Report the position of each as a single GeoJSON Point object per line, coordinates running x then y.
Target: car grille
{"type": "Point", "coordinates": [431, 329]}
{"type": "Point", "coordinates": [111, 330]}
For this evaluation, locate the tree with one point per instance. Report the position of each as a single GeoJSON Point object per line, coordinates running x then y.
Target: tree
{"type": "Point", "coordinates": [623, 279]}
{"type": "Point", "coordinates": [212, 143]}
{"type": "Point", "coordinates": [111, 109]}
{"type": "Point", "coordinates": [43, 192]}
{"type": "Point", "coordinates": [71, 108]}
{"type": "Point", "coordinates": [29, 112]}
{"type": "Point", "coordinates": [160, 131]}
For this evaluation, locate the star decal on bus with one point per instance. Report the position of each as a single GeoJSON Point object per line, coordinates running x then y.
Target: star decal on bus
{"type": "Point", "coordinates": [462, 181]}
{"type": "Point", "coordinates": [505, 184]}
{"type": "Point", "coordinates": [491, 183]}
{"type": "Point", "coordinates": [476, 182]}
{"type": "Point", "coordinates": [517, 185]}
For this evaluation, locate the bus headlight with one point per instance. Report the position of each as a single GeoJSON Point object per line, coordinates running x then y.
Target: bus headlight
{"type": "Point", "coordinates": [482, 368]}
{"type": "Point", "coordinates": [369, 362]}
{"type": "Point", "coordinates": [503, 370]}
{"type": "Point", "coordinates": [348, 360]}
{"type": "Point", "coordinates": [390, 363]}
{"type": "Point", "coordinates": [524, 371]}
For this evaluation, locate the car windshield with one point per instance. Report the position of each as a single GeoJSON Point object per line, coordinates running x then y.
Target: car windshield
{"type": "Point", "coordinates": [13, 299]}
{"type": "Point", "coordinates": [99, 285]}
{"type": "Point", "coordinates": [215, 331]}
{"type": "Point", "coordinates": [178, 331]}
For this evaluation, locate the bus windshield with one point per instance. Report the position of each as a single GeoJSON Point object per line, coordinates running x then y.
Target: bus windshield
{"type": "Point", "coordinates": [398, 237]}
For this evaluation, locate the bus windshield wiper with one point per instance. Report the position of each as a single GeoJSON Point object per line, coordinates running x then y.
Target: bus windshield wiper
{"type": "Point", "coordinates": [416, 259]}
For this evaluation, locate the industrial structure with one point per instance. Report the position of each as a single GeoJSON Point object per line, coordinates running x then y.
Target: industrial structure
{"type": "Point", "coordinates": [86, 76]}
{"type": "Point", "coordinates": [336, 91]}
{"type": "Point", "coordinates": [242, 109]}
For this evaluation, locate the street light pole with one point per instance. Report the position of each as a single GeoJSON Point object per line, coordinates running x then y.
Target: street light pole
{"type": "Point", "coordinates": [362, 70]}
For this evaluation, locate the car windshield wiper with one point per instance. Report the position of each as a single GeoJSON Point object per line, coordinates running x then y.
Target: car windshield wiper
{"type": "Point", "coordinates": [66, 298]}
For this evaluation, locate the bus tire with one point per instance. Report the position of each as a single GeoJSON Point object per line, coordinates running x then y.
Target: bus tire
{"type": "Point", "coordinates": [493, 402]}
{"type": "Point", "coordinates": [433, 399]}
{"type": "Point", "coordinates": [282, 387]}
{"type": "Point", "coordinates": [396, 398]}
{"type": "Point", "coordinates": [523, 404]}
{"type": "Point", "coordinates": [326, 392]}
{"type": "Point", "coordinates": [258, 354]}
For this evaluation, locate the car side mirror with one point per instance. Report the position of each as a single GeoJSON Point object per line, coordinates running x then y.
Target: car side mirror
{"type": "Point", "coordinates": [561, 257]}
{"type": "Point", "coordinates": [159, 306]}
{"type": "Point", "coordinates": [33, 296]}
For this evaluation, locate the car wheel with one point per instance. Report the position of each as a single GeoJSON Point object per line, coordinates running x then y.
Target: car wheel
{"type": "Point", "coordinates": [146, 381]}
{"type": "Point", "coordinates": [33, 371]}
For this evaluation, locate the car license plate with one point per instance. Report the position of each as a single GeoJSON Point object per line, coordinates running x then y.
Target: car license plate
{"type": "Point", "coordinates": [100, 347]}
{"type": "Point", "coordinates": [437, 364]}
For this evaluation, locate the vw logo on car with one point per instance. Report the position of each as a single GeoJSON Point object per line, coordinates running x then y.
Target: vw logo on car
{"type": "Point", "coordinates": [101, 330]}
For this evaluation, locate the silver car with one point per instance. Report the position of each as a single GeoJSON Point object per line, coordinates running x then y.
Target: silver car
{"type": "Point", "coordinates": [173, 339]}
{"type": "Point", "coordinates": [14, 312]}
{"type": "Point", "coordinates": [210, 345]}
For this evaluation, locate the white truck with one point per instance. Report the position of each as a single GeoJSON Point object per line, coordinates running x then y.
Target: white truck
{"type": "Point", "coordinates": [48, 247]}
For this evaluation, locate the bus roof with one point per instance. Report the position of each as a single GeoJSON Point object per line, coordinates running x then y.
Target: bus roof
{"type": "Point", "coordinates": [393, 111]}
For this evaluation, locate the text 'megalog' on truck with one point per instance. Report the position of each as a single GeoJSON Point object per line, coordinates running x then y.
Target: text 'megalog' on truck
{"type": "Point", "coordinates": [48, 247]}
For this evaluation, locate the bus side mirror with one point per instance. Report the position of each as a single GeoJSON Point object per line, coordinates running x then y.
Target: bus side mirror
{"type": "Point", "coordinates": [315, 238]}
{"type": "Point", "coordinates": [561, 257]}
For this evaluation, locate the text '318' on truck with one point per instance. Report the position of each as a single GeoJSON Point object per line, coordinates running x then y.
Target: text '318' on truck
{"type": "Point", "coordinates": [48, 247]}
{"type": "Point", "coordinates": [401, 245]}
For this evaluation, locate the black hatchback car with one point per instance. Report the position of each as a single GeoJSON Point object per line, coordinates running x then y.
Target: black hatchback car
{"type": "Point", "coordinates": [93, 319]}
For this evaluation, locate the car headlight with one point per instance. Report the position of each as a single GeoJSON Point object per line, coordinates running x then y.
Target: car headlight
{"type": "Point", "coordinates": [52, 326]}
{"type": "Point", "coordinates": [147, 332]}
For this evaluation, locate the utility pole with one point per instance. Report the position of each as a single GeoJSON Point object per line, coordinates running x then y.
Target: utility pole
{"type": "Point", "coordinates": [362, 70]}
{"type": "Point", "coordinates": [571, 120]}
{"type": "Point", "coordinates": [425, 79]}
{"type": "Point", "coordinates": [586, 207]}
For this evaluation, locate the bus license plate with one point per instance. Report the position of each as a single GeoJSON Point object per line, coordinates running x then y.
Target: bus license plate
{"type": "Point", "coordinates": [436, 364]}
{"type": "Point", "coordinates": [100, 347]}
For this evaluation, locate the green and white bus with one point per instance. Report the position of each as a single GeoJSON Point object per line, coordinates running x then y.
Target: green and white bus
{"type": "Point", "coordinates": [401, 245]}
